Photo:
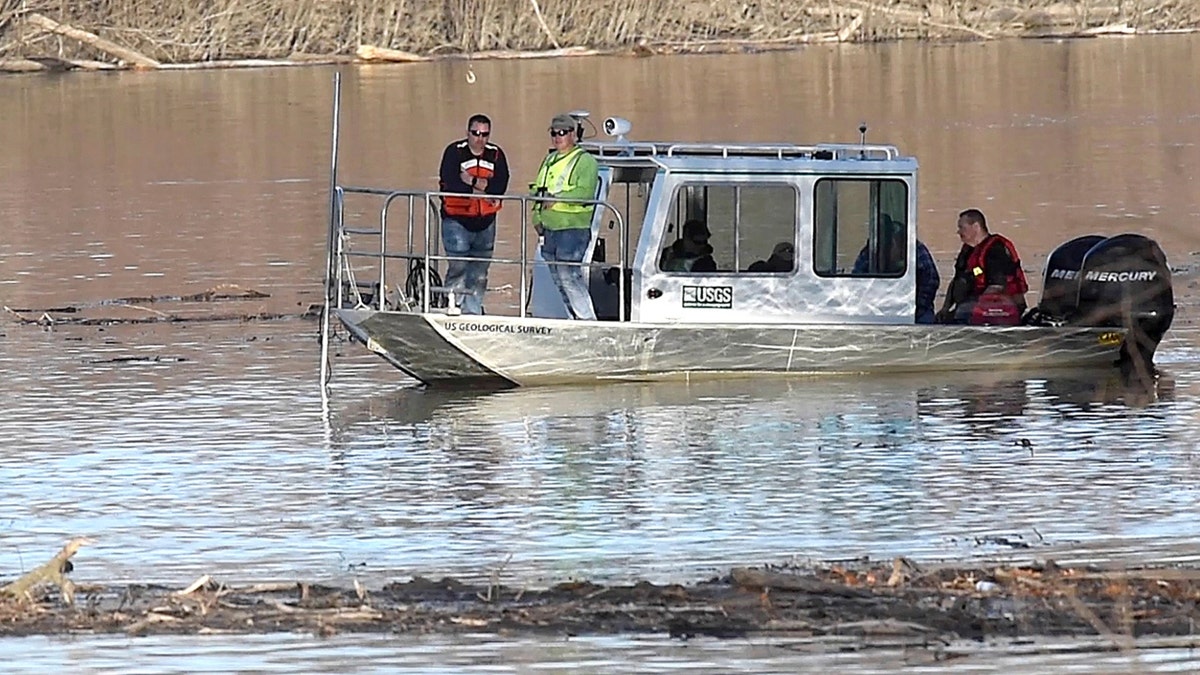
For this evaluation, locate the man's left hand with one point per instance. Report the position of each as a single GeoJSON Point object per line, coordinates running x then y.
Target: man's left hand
{"type": "Point", "coordinates": [481, 184]}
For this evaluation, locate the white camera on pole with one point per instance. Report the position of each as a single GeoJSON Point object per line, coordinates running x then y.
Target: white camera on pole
{"type": "Point", "coordinates": [617, 126]}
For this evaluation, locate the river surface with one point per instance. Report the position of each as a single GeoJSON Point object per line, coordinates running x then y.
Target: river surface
{"type": "Point", "coordinates": [206, 447]}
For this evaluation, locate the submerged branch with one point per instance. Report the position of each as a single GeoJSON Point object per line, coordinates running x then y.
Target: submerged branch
{"type": "Point", "coordinates": [51, 316]}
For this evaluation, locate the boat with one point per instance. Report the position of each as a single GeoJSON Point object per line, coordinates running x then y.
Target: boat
{"type": "Point", "coordinates": [1106, 300]}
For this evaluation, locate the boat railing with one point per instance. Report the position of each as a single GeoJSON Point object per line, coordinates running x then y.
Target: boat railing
{"type": "Point", "coordinates": [617, 150]}
{"type": "Point", "coordinates": [419, 250]}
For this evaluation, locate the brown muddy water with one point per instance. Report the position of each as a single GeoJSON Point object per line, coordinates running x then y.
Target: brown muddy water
{"type": "Point", "coordinates": [198, 448]}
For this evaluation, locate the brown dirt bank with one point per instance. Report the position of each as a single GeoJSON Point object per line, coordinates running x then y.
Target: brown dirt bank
{"type": "Point", "coordinates": [871, 604]}
{"type": "Point", "coordinates": [125, 33]}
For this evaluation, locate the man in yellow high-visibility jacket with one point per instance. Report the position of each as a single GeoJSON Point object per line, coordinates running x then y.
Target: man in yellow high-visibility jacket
{"type": "Point", "coordinates": [568, 172]}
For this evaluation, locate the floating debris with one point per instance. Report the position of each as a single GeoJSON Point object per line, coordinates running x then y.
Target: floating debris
{"type": "Point", "coordinates": [50, 317]}
{"type": "Point", "coordinates": [880, 604]}
{"type": "Point", "coordinates": [137, 359]}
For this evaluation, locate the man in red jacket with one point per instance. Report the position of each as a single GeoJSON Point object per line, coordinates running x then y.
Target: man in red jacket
{"type": "Point", "coordinates": [471, 166]}
{"type": "Point", "coordinates": [989, 285]}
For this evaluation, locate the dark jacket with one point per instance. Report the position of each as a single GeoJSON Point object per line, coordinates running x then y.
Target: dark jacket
{"type": "Point", "coordinates": [456, 158]}
{"type": "Point", "coordinates": [675, 258]}
{"type": "Point", "coordinates": [774, 263]}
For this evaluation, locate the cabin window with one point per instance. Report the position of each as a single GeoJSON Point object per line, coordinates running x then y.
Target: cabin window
{"type": "Point", "coordinates": [731, 229]}
{"type": "Point", "coordinates": [860, 228]}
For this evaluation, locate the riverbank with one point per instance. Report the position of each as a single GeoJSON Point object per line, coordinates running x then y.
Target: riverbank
{"type": "Point", "coordinates": [36, 36]}
{"type": "Point", "coordinates": [871, 604]}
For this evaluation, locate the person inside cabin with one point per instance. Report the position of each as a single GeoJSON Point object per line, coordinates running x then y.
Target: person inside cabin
{"type": "Point", "coordinates": [691, 252]}
{"type": "Point", "coordinates": [989, 285]}
{"type": "Point", "coordinates": [895, 248]}
{"type": "Point", "coordinates": [782, 259]}
{"type": "Point", "coordinates": [471, 166]}
{"type": "Point", "coordinates": [567, 172]}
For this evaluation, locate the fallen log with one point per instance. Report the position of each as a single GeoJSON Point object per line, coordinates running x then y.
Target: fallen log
{"type": "Point", "coordinates": [92, 40]}
{"type": "Point", "coordinates": [550, 53]}
{"type": "Point", "coordinates": [372, 53]}
{"type": "Point", "coordinates": [40, 64]}
{"type": "Point", "coordinates": [749, 578]}
{"type": "Point", "coordinates": [251, 63]}
{"type": "Point", "coordinates": [21, 66]}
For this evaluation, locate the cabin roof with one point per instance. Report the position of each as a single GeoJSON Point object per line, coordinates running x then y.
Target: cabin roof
{"type": "Point", "coordinates": [772, 158]}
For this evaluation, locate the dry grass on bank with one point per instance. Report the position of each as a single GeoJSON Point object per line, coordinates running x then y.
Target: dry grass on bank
{"type": "Point", "coordinates": [186, 31]}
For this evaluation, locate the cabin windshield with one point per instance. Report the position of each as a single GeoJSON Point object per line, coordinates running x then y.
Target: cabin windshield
{"type": "Point", "coordinates": [860, 228]}
{"type": "Point", "coordinates": [731, 229]}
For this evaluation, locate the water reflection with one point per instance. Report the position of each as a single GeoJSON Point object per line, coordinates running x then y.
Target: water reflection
{"type": "Point", "coordinates": [666, 479]}
{"type": "Point", "coordinates": [991, 407]}
{"type": "Point", "coordinates": [485, 653]}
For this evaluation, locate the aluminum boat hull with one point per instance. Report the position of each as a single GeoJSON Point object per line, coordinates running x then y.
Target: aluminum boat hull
{"type": "Point", "coordinates": [511, 351]}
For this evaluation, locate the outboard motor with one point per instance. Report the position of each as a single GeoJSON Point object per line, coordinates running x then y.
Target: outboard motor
{"type": "Point", "coordinates": [1120, 281]}
{"type": "Point", "coordinates": [1060, 283]}
{"type": "Point", "coordinates": [1125, 282]}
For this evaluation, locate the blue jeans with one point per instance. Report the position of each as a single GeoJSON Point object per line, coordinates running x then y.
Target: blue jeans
{"type": "Point", "coordinates": [570, 246]}
{"type": "Point", "coordinates": [468, 278]}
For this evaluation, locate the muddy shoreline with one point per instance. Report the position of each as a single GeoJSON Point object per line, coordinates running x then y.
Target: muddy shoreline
{"type": "Point", "coordinates": [39, 37]}
{"type": "Point", "coordinates": [870, 604]}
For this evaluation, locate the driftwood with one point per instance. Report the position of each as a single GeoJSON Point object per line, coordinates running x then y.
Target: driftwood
{"type": "Point", "coordinates": [93, 40]}
{"type": "Point", "coordinates": [51, 572]}
{"type": "Point", "coordinates": [40, 64]}
{"type": "Point", "coordinates": [256, 63]}
{"type": "Point", "coordinates": [746, 577]}
{"type": "Point", "coordinates": [46, 320]}
{"type": "Point", "coordinates": [21, 66]}
{"type": "Point", "coordinates": [214, 294]}
{"type": "Point", "coordinates": [371, 53]}
{"type": "Point", "coordinates": [52, 316]}
{"type": "Point", "coordinates": [550, 53]}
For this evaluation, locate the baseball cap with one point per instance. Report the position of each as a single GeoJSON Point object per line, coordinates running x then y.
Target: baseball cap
{"type": "Point", "coordinates": [563, 121]}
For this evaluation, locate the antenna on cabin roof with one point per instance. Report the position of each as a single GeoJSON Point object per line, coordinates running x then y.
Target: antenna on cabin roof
{"type": "Point", "coordinates": [580, 116]}
{"type": "Point", "coordinates": [862, 139]}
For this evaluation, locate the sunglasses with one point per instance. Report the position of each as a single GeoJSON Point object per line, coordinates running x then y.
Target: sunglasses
{"type": "Point", "coordinates": [481, 134]}
{"type": "Point", "coordinates": [559, 132]}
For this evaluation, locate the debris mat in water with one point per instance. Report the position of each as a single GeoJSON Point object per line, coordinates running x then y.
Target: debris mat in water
{"type": "Point", "coordinates": [869, 604]}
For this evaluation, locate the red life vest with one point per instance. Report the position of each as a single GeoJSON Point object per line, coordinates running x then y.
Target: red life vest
{"type": "Point", "coordinates": [1014, 285]}
{"type": "Point", "coordinates": [483, 166]}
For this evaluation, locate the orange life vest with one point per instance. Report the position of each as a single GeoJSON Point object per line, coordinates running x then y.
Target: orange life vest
{"type": "Point", "coordinates": [1014, 284]}
{"type": "Point", "coordinates": [483, 166]}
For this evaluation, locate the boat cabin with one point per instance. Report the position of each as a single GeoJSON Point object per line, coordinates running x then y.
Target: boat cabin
{"type": "Point", "coordinates": [749, 233]}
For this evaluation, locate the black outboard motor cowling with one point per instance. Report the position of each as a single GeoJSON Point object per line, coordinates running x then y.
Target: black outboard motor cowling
{"type": "Point", "coordinates": [1060, 283]}
{"type": "Point", "coordinates": [1125, 282]}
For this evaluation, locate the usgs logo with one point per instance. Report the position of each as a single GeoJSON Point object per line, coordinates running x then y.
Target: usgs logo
{"type": "Point", "coordinates": [708, 297]}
